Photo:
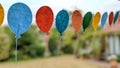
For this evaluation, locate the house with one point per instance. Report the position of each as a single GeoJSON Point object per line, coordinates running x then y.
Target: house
{"type": "Point", "coordinates": [109, 39]}
{"type": "Point", "coordinates": [113, 38]}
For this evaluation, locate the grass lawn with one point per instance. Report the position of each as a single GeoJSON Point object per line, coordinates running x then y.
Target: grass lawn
{"type": "Point", "coordinates": [53, 62]}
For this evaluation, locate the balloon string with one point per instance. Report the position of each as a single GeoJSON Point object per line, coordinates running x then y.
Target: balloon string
{"type": "Point", "coordinates": [60, 44]}
{"type": "Point", "coordinates": [16, 51]}
{"type": "Point", "coordinates": [60, 38]}
{"type": "Point", "coordinates": [77, 46]}
{"type": "Point", "coordinates": [94, 36]}
{"type": "Point", "coordinates": [17, 36]}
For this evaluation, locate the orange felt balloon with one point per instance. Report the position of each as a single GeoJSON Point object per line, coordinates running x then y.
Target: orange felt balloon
{"type": "Point", "coordinates": [77, 20]}
{"type": "Point", "coordinates": [44, 18]}
{"type": "Point", "coordinates": [111, 18]}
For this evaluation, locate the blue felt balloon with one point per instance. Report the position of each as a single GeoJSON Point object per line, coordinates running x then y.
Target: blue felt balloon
{"type": "Point", "coordinates": [104, 19]}
{"type": "Point", "coordinates": [62, 20]}
{"type": "Point", "coordinates": [116, 17]}
{"type": "Point", "coordinates": [19, 18]}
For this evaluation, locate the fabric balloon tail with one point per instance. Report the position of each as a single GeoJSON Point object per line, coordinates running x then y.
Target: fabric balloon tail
{"type": "Point", "coordinates": [16, 48]}
{"type": "Point", "coordinates": [95, 35]}
{"type": "Point", "coordinates": [77, 46]}
{"type": "Point", "coordinates": [16, 52]}
{"type": "Point", "coordinates": [59, 46]}
{"type": "Point", "coordinates": [47, 53]}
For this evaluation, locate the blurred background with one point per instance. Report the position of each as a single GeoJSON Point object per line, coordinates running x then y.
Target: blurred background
{"type": "Point", "coordinates": [92, 49]}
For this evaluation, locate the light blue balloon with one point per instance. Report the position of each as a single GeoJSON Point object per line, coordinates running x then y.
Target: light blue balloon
{"type": "Point", "coordinates": [104, 19]}
{"type": "Point", "coordinates": [19, 18]}
{"type": "Point", "coordinates": [62, 20]}
{"type": "Point", "coordinates": [116, 17]}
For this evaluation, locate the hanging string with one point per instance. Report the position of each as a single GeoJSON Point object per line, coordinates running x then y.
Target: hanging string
{"type": "Point", "coordinates": [59, 46]}
{"type": "Point", "coordinates": [47, 53]}
{"type": "Point", "coordinates": [77, 46]}
{"type": "Point", "coordinates": [16, 52]}
{"type": "Point", "coordinates": [61, 40]}
{"type": "Point", "coordinates": [95, 34]}
{"type": "Point", "coordinates": [16, 56]}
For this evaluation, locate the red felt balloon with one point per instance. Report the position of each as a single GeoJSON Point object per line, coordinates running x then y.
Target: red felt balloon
{"type": "Point", "coordinates": [77, 20]}
{"type": "Point", "coordinates": [111, 18]}
{"type": "Point", "coordinates": [44, 18]}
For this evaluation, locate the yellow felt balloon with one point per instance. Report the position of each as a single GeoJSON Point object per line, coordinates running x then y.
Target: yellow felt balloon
{"type": "Point", "coordinates": [1, 14]}
{"type": "Point", "coordinates": [96, 20]}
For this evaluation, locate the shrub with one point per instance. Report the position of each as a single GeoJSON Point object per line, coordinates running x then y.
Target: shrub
{"type": "Point", "coordinates": [112, 57]}
{"type": "Point", "coordinates": [53, 46]}
{"type": "Point", "coordinates": [30, 45]}
{"type": "Point", "coordinates": [36, 51]}
{"type": "Point", "coordinates": [96, 46]}
{"type": "Point", "coordinates": [83, 53]}
{"type": "Point", "coordinates": [5, 43]}
{"type": "Point", "coordinates": [68, 49]}
{"type": "Point", "coordinates": [53, 42]}
{"type": "Point", "coordinates": [118, 58]}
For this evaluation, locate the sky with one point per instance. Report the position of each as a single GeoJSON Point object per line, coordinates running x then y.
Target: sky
{"type": "Point", "coordinates": [57, 5]}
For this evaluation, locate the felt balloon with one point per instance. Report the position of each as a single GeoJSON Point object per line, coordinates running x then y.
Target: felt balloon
{"type": "Point", "coordinates": [116, 17]}
{"type": "Point", "coordinates": [87, 20]}
{"type": "Point", "coordinates": [77, 20]}
{"type": "Point", "coordinates": [111, 18]}
{"type": "Point", "coordinates": [104, 19]}
{"type": "Point", "coordinates": [1, 14]}
{"type": "Point", "coordinates": [62, 20]}
{"type": "Point", "coordinates": [96, 20]}
{"type": "Point", "coordinates": [19, 18]}
{"type": "Point", "coordinates": [44, 18]}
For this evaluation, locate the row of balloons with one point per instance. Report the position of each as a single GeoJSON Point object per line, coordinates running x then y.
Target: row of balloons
{"type": "Point", "coordinates": [20, 18]}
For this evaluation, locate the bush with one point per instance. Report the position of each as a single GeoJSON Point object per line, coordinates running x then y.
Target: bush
{"type": "Point", "coordinates": [118, 58]}
{"type": "Point", "coordinates": [53, 46]}
{"type": "Point", "coordinates": [96, 46]}
{"type": "Point", "coordinates": [30, 45]}
{"type": "Point", "coordinates": [83, 53]}
{"type": "Point", "coordinates": [5, 43]}
{"type": "Point", "coordinates": [36, 51]}
{"type": "Point", "coordinates": [112, 57]}
{"type": "Point", "coordinates": [53, 42]}
{"type": "Point", "coordinates": [67, 41]}
{"type": "Point", "coordinates": [68, 49]}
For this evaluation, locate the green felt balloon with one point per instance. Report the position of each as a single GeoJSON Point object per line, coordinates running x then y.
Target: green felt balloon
{"type": "Point", "coordinates": [87, 20]}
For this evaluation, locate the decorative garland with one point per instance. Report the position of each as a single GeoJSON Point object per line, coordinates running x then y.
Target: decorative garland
{"type": "Point", "coordinates": [20, 18]}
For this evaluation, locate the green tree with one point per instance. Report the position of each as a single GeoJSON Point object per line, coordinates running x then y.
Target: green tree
{"type": "Point", "coordinates": [53, 41]}
{"type": "Point", "coordinates": [30, 45]}
{"type": "Point", "coordinates": [5, 43]}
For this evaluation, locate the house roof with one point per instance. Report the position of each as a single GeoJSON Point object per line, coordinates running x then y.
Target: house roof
{"type": "Point", "coordinates": [114, 27]}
